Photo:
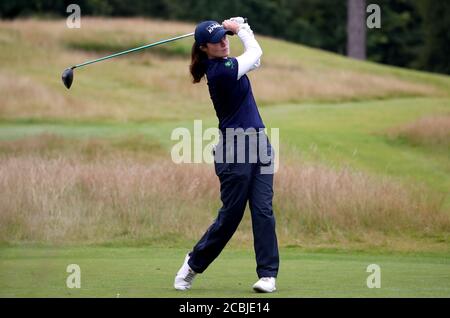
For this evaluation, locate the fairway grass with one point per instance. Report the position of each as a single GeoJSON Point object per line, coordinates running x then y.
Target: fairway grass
{"type": "Point", "coordinates": [149, 272]}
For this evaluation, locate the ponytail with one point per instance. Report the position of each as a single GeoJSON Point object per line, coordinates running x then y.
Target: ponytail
{"type": "Point", "coordinates": [198, 65]}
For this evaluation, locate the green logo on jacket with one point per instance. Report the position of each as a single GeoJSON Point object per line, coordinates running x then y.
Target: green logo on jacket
{"type": "Point", "coordinates": [229, 63]}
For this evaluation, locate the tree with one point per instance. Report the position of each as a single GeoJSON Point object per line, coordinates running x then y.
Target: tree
{"type": "Point", "coordinates": [436, 50]}
{"type": "Point", "coordinates": [356, 29]}
{"type": "Point", "coordinates": [400, 38]}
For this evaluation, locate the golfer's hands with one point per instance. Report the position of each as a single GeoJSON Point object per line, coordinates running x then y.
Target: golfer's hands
{"type": "Point", "coordinates": [239, 20]}
{"type": "Point", "coordinates": [233, 26]}
{"type": "Point", "coordinates": [243, 25]}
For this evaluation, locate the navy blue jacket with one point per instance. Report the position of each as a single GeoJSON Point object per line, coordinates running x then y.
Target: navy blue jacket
{"type": "Point", "coordinates": [232, 98]}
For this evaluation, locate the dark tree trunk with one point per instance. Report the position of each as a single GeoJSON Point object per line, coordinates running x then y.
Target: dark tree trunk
{"type": "Point", "coordinates": [356, 29]}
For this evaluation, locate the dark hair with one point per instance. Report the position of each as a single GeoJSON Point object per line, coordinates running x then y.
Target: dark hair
{"type": "Point", "coordinates": [198, 65]}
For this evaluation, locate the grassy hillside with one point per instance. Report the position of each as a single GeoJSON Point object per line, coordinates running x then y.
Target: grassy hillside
{"type": "Point", "coordinates": [365, 157]}
{"type": "Point", "coordinates": [143, 86]}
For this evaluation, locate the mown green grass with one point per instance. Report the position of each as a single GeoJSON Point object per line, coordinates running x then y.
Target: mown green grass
{"type": "Point", "coordinates": [149, 272]}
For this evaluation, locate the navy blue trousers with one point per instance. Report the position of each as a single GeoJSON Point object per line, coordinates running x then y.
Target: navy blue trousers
{"type": "Point", "coordinates": [242, 182]}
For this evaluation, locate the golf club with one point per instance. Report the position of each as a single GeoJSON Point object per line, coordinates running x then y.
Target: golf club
{"type": "Point", "coordinates": [67, 75]}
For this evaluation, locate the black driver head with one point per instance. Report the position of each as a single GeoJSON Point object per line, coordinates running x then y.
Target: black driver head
{"type": "Point", "coordinates": [67, 77]}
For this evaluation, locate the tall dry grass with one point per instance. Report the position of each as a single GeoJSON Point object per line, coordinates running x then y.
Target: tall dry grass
{"type": "Point", "coordinates": [69, 200]}
{"type": "Point", "coordinates": [65, 200]}
{"type": "Point", "coordinates": [45, 145]}
{"type": "Point", "coordinates": [426, 131]}
{"type": "Point", "coordinates": [295, 80]}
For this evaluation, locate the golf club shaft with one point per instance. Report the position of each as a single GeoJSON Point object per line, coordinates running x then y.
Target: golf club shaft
{"type": "Point", "coordinates": [132, 50]}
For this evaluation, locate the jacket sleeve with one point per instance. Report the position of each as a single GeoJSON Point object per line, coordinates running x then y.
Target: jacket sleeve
{"type": "Point", "coordinates": [250, 59]}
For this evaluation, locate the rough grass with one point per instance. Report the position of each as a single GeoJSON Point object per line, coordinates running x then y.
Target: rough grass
{"type": "Point", "coordinates": [426, 131]}
{"type": "Point", "coordinates": [46, 145]}
{"type": "Point", "coordinates": [60, 193]}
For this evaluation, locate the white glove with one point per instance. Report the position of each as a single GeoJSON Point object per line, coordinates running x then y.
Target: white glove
{"type": "Point", "coordinates": [239, 20]}
{"type": "Point", "coordinates": [242, 24]}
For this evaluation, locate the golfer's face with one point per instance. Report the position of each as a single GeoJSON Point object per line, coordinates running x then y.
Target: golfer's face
{"type": "Point", "coordinates": [217, 50]}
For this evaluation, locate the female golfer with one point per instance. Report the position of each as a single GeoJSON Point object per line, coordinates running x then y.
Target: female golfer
{"type": "Point", "coordinates": [241, 155]}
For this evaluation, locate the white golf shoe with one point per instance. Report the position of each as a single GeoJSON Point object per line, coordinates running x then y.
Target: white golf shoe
{"type": "Point", "coordinates": [185, 276]}
{"type": "Point", "coordinates": [265, 285]}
